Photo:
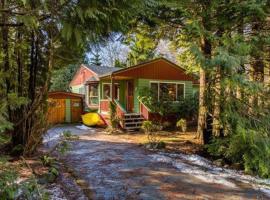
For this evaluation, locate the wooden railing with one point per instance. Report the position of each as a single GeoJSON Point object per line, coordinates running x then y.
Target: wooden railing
{"type": "Point", "coordinates": [144, 110]}
{"type": "Point", "coordinates": [105, 105]}
{"type": "Point", "coordinates": [120, 111]}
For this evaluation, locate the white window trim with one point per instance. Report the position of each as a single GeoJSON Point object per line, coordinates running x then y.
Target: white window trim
{"type": "Point", "coordinates": [170, 82]}
{"type": "Point", "coordinates": [102, 94]}
{"type": "Point", "coordinates": [92, 104]}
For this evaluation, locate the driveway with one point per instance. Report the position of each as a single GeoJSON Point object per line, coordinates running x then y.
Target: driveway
{"type": "Point", "coordinates": [117, 168]}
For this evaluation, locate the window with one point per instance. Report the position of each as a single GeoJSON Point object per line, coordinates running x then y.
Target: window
{"type": "Point", "coordinates": [180, 91]}
{"type": "Point", "coordinates": [82, 90]}
{"type": "Point", "coordinates": [93, 94]}
{"type": "Point", "coordinates": [171, 91]}
{"type": "Point", "coordinates": [106, 91]}
{"type": "Point", "coordinates": [154, 89]}
{"type": "Point", "coordinates": [167, 91]}
{"type": "Point", "coordinates": [116, 91]}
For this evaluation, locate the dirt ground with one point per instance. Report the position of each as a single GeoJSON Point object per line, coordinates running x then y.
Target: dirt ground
{"type": "Point", "coordinates": [119, 167]}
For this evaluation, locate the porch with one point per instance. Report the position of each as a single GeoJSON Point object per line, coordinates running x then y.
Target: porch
{"type": "Point", "coordinates": [123, 93]}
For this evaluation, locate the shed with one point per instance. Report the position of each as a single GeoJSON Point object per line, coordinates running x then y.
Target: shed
{"type": "Point", "coordinates": [64, 107]}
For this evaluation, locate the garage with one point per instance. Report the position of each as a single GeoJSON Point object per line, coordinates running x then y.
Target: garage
{"type": "Point", "coordinates": [64, 107]}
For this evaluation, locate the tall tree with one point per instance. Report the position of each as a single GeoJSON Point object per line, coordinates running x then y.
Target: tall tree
{"type": "Point", "coordinates": [95, 60]}
{"type": "Point", "coordinates": [142, 43]}
{"type": "Point", "coordinates": [35, 37]}
{"type": "Point", "coordinates": [61, 78]}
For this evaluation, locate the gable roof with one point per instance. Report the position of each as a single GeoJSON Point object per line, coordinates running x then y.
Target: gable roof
{"type": "Point", "coordinates": [144, 65]}
{"type": "Point", "coordinates": [99, 70]}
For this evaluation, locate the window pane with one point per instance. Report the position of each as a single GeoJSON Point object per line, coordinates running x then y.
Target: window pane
{"type": "Point", "coordinates": [93, 100]}
{"type": "Point", "coordinates": [93, 90]}
{"type": "Point", "coordinates": [106, 91]}
{"type": "Point", "coordinates": [154, 89]}
{"type": "Point", "coordinates": [180, 91]}
{"type": "Point", "coordinates": [167, 91]}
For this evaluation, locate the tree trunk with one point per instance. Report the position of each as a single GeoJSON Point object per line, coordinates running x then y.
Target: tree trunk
{"type": "Point", "coordinates": [217, 101]}
{"type": "Point", "coordinates": [206, 49]}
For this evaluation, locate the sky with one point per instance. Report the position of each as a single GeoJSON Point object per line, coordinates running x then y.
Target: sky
{"type": "Point", "coordinates": [114, 48]}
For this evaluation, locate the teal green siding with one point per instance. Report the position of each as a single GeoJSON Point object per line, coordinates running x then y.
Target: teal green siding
{"type": "Point", "coordinates": [79, 89]}
{"type": "Point", "coordinates": [68, 110]}
{"type": "Point", "coordinates": [139, 84]}
{"type": "Point", "coordinates": [142, 83]}
{"type": "Point", "coordinates": [122, 91]}
{"type": "Point", "coordinates": [122, 95]}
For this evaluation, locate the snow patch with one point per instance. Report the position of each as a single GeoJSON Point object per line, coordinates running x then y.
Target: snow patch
{"type": "Point", "coordinates": [56, 193]}
{"type": "Point", "coordinates": [204, 170]}
{"type": "Point", "coordinates": [83, 127]}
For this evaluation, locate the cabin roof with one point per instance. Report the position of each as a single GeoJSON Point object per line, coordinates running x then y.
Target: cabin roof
{"type": "Point", "coordinates": [99, 70]}
{"type": "Point", "coordinates": [145, 65]}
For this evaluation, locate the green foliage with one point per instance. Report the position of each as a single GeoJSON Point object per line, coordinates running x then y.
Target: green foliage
{"type": "Point", "coordinates": [96, 60]}
{"type": "Point", "coordinates": [39, 38]}
{"type": "Point", "coordinates": [113, 116]}
{"type": "Point", "coordinates": [182, 123]}
{"type": "Point", "coordinates": [142, 43]}
{"type": "Point", "coordinates": [119, 63]}
{"type": "Point", "coordinates": [250, 148]}
{"type": "Point", "coordinates": [187, 107]}
{"type": "Point", "coordinates": [151, 130]}
{"type": "Point", "coordinates": [162, 106]}
{"type": "Point", "coordinates": [61, 78]}
{"type": "Point", "coordinates": [184, 108]}
{"type": "Point", "coordinates": [47, 160]}
{"type": "Point", "coordinates": [148, 126]}
{"type": "Point", "coordinates": [10, 188]}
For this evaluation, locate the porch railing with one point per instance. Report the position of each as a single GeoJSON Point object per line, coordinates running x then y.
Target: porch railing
{"type": "Point", "coordinates": [144, 110]}
{"type": "Point", "coordinates": [120, 111]}
{"type": "Point", "coordinates": [105, 105]}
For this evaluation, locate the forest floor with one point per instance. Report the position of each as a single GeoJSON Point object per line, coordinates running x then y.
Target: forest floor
{"type": "Point", "coordinates": [106, 166]}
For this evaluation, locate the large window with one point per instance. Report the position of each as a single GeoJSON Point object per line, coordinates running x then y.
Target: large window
{"type": "Point", "coordinates": [93, 94]}
{"type": "Point", "coordinates": [106, 91]}
{"type": "Point", "coordinates": [168, 91]}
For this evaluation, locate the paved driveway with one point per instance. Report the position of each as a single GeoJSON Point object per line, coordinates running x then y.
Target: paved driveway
{"type": "Point", "coordinates": [116, 168]}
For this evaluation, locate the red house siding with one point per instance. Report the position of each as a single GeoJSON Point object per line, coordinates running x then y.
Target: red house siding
{"type": "Point", "coordinates": [158, 69]}
{"type": "Point", "coordinates": [82, 75]}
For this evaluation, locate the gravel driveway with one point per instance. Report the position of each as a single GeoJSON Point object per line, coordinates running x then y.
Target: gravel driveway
{"type": "Point", "coordinates": [115, 168]}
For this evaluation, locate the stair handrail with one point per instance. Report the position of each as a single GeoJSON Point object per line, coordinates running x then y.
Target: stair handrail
{"type": "Point", "coordinates": [120, 106]}
{"type": "Point", "coordinates": [147, 108]}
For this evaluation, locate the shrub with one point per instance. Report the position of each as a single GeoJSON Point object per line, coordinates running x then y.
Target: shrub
{"type": "Point", "coordinates": [113, 115]}
{"type": "Point", "coordinates": [10, 188]}
{"type": "Point", "coordinates": [185, 108]}
{"type": "Point", "coordinates": [246, 147]}
{"type": "Point", "coordinates": [151, 130]}
{"type": "Point", "coordinates": [182, 123]}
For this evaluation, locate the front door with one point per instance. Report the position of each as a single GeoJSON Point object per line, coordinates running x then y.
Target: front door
{"type": "Point", "coordinates": [130, 96]}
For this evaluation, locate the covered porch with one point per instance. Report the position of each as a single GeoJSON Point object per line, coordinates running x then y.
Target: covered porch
{"type": "Point", "coordinates": [122, 91]}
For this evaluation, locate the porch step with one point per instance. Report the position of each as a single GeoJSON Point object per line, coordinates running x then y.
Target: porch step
{"type": "Point", "coordinates": [132, 121]}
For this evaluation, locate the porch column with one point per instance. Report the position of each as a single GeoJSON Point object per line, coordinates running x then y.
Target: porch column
{"type": "Point", "coordinates": [113, 88]}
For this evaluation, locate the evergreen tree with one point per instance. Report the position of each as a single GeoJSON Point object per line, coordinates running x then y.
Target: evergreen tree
{"type": "Point", "coordinates": [142, 43]}
{"type": "Point", "coordinates": [225, 56]}
{"type": "Point", "coordinates": [61, 78]}
{"type": "Point", "coordinates": [119, 63]}
{"type": "Point", "coordinates": [37, 36]}
{"type": "Point", "coordinates": [95, 60]}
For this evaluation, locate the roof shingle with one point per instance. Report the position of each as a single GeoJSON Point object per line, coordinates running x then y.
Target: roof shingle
{"type": "Point", "coordinates": [99, 70]}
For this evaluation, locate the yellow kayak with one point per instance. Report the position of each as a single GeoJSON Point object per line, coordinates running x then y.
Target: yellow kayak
{"type": "Point", "coordinates": [92, 119]}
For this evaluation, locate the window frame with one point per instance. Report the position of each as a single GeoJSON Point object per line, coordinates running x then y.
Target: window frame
{"type": "Point", "coordinates": [89, 97]}
{"type": "Point", "coordinates": [169, 82]}
{"type": "Point", "coordinates": [102, 92]}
